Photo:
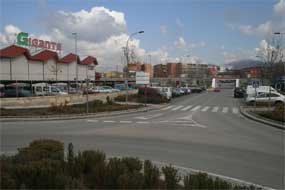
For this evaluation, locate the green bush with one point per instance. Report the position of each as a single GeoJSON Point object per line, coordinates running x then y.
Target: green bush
{"type": "Point", "coordinates": [42, 149]}
{"type": "Point", "coordinates": [42, 165]}
{"type": "Point", "coordinates": [151, 175]}
{"type": "Point", "coordinates": [171, 177]}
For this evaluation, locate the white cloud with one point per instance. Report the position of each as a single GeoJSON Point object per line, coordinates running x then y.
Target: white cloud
{"type": "Point", "coordinates": [95, 25]}
{"type": "Point", "coordinates": [261, 30]}
{"type": "Point", "coordinates": [163, 29]}
{"type": "Point", "coordinates": [279, 8]}
{"type": "Point", "coordinates": [180, 43]}
{"type": "Point", "coordinates": [9, 35]}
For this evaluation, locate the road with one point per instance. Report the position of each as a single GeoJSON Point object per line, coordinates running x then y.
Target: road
{"type": "Point", "coordinates": [201, 131]}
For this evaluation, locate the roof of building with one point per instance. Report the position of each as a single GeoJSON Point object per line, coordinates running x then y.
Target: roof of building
{"type": "Point", "coordinates": [88, 60]}
{"type": "Point", "coordinates": [69, 58]}
{"type": "Point", "coordinates": [45, 55]}
{"type": "Point", "coordinates": [14, 51]}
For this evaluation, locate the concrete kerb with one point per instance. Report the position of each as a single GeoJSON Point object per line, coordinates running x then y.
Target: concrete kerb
{"type": "Point", "coordinates": [245, 111]}
{"type": "Point", "coordinates": [77, 116]}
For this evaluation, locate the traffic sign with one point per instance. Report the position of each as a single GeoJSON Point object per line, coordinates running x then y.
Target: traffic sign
{"type": "Point", "coordinates": [142, 78]}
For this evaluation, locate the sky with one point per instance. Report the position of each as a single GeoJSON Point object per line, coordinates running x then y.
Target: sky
{"type": "Point", "coordinates": [199, 31]}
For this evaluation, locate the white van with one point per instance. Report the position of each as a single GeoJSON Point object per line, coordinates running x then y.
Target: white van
{"type": "Point", "coordinates": [165, 91]}
{"type": "Point", "coordinates": [44, 89]}
{"type": "Point", "coordinates": [40, 89]}
{"type": "Point", "coordinates": [250, 90]}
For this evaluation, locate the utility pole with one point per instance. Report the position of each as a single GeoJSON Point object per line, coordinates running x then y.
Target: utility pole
{"type": "Point", "coordinates": [75, 51]}
{"type": "Point", "coordinates": [126, 69]}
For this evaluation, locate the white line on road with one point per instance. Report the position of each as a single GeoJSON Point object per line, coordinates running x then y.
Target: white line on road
{"type": "Point", "coordinates": [187, 108]}
{"type": "Point", "coordinates": [142, 122]}
{"type": "Point", "coordinates": [225, 110]}
{"type": "Point", "coordinates": [177, 108]}
{"type": "Point", "coordinates": [125, 121]}
{"type": "Point", "coordinates": [167, 108]}
{"type": "Point", "coordinates": [107, 121]}
{"type": "Point", "coordinates": [196, 108]}
{"type": "Point", "coordinates": [215, 109]}
{"type": "Point", "coordinates": [235, 110]}
{"type": "Point", "coordinates": [205, 108]}
{"type": "Point", "coordinates": [92, 121]}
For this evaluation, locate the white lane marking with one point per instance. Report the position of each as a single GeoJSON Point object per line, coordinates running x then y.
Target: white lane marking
{"type": "Point", "coordinates": [187, 108]}
{"type": "Point", "coordinates": [215, 109]}
{"type": "Point", "coordinates": [125, 121]}
{"type": "Point", "coordinates": [225, 110]}
{"type": "Point", "coordinates": [107, 121]}
{"type": "Point", "coordinates": [235, 110]}
{"type": "Point", "coordinates": [167, 108]}
{"type": "Point", "coordinates": [149, 117]}
{"type": "Point", "coordinates": [196, 108]}
{"type": "Point", "coordinates": [205, 108]}
{"type": "Point", "coordinates": [177, 108]}
{"type": "Point", "coordinates": [142, 122]}
{"type": "Point", "coordinates": [92, 121]}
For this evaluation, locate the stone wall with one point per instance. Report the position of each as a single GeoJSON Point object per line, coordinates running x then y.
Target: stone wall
{"type": "Point", "coordinates": [38, 101]}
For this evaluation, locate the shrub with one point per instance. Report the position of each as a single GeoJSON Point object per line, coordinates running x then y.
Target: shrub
{"type": "Point", "coordinates": [151, 175]}
{"type": "Point", "coordinates": [97, 103]}
{"type": "Point", "coordinates": [42, 149]}
{"type": "Point", "coordinates": [171, 177]}
{"type": "Point", "coordinates": [109, 101]}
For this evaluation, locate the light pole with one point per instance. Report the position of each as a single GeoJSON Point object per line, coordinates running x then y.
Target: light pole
{"type": "Point", "coordinates": [127, 58]}
{"type": "Point", "coordinates": [75, 51]}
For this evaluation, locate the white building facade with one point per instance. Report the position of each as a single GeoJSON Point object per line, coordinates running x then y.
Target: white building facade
{"type": "Point", "coordinates": [17, 64]}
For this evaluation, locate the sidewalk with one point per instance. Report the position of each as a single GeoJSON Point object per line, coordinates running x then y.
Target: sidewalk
{"type": "Point", "coordinates": [248, 112]}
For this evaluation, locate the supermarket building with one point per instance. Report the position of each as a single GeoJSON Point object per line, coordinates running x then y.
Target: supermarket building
{"type": "Point", "coordinates": [20, 65]}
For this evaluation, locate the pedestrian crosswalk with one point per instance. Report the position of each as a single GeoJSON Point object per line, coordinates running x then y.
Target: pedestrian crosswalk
{"type": "Point", "coordinates": [196, 108]}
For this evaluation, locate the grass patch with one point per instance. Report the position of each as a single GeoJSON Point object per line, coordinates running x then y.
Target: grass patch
{"type": "Point", "coordinates": [278, 114]}
{"type": "Point", "coordinates": [62, 109]}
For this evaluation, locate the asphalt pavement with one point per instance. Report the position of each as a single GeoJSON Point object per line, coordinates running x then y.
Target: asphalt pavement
{"type": "Point", "coordinates": [200, 131]}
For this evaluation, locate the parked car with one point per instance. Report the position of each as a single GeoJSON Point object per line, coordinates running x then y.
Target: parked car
{"type": "Point", "coordinates": [273, 98]}
{"type": "Point", "coordinates": [20, 92]}
{"type": "Point", "coordinates": [176, 92]}
{"type": "Point", "coordinates": [196, 89]}
{"type": "Point", "coordinates": [186, 90]}
{"type": "Point", "coordinates": [239, 92]}
{"type": "Point", "coordinates": [217, 90]}
{"type": "Point", "coordinates": [110, 89]}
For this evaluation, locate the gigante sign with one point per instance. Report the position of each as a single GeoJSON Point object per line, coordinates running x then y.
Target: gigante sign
{"type": "Point", "coordinates": [24, 40]}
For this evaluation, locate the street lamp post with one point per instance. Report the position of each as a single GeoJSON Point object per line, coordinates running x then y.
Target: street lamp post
{"type": "Point", "coordinates": [127, 58]}
{"type": "Point", "coordinates": [75, 51]}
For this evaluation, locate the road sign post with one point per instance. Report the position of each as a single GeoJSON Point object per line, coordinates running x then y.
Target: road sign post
{"type": "Point", "coordinates": [142, 78]}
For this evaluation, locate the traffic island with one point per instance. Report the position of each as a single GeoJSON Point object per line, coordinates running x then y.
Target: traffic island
{"type": "Point", "coordinates": [273, 117]}
{"type": "Point", "coordinates": [65, 111]}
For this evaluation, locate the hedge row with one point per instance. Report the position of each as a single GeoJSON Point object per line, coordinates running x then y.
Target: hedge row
{"type": "Point", "coordinates": [42, 165]}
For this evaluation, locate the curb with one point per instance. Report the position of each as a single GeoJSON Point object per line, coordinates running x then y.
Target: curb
{"type": "Point", "coordinates": [77, 116]}
{"type": "Point", "coordinates": [244, 111]}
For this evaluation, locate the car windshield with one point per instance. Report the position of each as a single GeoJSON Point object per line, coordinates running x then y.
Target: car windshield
{"type": "Point", "coordinates": [142, 94]}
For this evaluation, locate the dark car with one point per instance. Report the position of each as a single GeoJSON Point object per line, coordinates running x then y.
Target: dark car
{"type": "Point", "coordinates": [196, 89]}
{"type": "Point", "coordinates": [239, 92]}
{"type": "Point", "coordinates": [13, 92]}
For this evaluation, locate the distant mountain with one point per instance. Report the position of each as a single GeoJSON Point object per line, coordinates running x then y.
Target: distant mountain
{"type": "Point", "coordinates": [244, 64]}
